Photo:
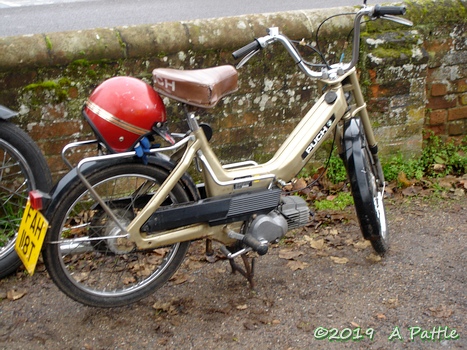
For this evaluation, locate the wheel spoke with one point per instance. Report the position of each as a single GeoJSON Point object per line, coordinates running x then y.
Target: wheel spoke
{"type": "Point", "coordinates": [89, 252]}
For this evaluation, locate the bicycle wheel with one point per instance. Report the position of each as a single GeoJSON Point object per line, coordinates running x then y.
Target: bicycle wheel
{"type": "Point", "coordinates": [82, 254]}
{"type": "Point", "coordinates": [367, 191]}
{"type": "Point", "coordinates": [22, 169]}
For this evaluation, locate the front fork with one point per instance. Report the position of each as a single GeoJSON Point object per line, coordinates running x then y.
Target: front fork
{"type": "Point", "coordinates": [357, 109]}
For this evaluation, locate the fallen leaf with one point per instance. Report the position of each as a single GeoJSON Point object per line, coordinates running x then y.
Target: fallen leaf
{"type": "Point", "coordinates": [338, 260]}
{"type": "Point", "coordinates": [441, 311]}
{"type": "Point", "coordinates": [322, 253]}
{"type": "Point", "coordinates": [180, 278]}
{"type": "Point", "coordinates": [446, 182]}
{"type": "Point", "coordinates": [355, 325]}
{"type": "Point", "coordinates": [15, 294]}
{"type": "Point", "coordinates": [439, 167]}
{"type": "Point", "coordinates": [381, 316]}
{"type": "Point", "coordinates": [162, 307]}
{"type": "Point", "coordinates": [242, 307]}
{"type": "Point", "coordinates": [392, 303]}
{"type": "Point", "coordinates": [374, 257]}
{"type": "Point", "coordinates": [362, 244]}
{"type": "Point", "coordinates": [129, 280]}
{"type": "Point", "coordinates": [317, 244]}
{"type": "Point", "coordinates": [250, 325]}
{"type": "Point", "coordinates": [161, 251]}
{"type": "Point", "coordinates": [299, 184]}
{"type": "Point", "coordinates": [195, 265]}
{"type": "Point", "coordinates": [289, 254]}
{"type": "Point", "coordinates": [411, 191]}
{"type": "Point", "coordinates": [296, 265]}
{"type": "Point", "coordinates": [403, 180]}
{"type": "Point", "coordinates": [211, 258]}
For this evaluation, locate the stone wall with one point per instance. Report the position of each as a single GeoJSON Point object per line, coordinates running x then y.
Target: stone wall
{"type": "Point", "coordinates": [414, 78]}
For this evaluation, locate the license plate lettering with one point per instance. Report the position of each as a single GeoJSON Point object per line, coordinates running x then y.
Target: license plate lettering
{"type": "Point", "coordinates": [27, 246]}
{"type": "Point", "coordinates": [37, 225]}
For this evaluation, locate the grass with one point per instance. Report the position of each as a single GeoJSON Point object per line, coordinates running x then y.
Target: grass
{"type": "Point", "coordinates": [438, 159]}
{"type": "Point", "coordinates": [341, 201]}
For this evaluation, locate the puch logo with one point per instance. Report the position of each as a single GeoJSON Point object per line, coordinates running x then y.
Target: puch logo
{"type": "Point", "coordinates": [318, 137]}
{"type": "Point", "coordinates": [165, 83]}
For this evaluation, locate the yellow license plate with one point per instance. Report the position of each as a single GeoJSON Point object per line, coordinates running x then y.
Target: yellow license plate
{"type": "Point", "coordinates": [31, 235]}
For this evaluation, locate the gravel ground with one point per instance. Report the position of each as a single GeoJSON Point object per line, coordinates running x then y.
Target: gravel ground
{"type": "Point", "coordinates": [322, 280]}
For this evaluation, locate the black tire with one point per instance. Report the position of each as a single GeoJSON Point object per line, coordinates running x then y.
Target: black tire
{"type": "Point", "coordinates": [367, 187]}
{"type": "Point", "coordinates": [108, 272]}
{"type": "Point", "coordinates": [23, 168]}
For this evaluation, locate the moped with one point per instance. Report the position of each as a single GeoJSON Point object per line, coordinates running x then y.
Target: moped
{"type": "Point", "coordinates": [22, 168]}
{"type": "Point", "coordinates": [118, 225]}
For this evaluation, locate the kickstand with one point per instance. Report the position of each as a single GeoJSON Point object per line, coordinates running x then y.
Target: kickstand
{"type": "Point", "coordinates": [248, 273]}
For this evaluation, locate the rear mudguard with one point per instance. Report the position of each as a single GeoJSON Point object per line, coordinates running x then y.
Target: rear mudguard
{"type": "Point", "coordinates": [72, 178]}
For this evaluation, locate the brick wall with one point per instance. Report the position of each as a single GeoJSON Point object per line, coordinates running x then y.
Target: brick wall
{"type": "Point", "coordinates": [417, 76]}
{"type": "Point", "coordinates": [415, 79]}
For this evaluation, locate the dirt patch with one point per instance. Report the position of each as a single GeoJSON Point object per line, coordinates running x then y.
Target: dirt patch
{"type": "Point", "coordinates": [322, 276]}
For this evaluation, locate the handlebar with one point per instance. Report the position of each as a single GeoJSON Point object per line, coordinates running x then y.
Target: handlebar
{"type": "Point", "coordinates": [383, 12]}
{"type": "Point", "coordinates": [245, 50]}
{"type": "Point", "coordinates": [388, 10]}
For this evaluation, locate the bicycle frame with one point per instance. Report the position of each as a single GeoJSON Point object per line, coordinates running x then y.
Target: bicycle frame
{"type": "Point", "coordinates": [319, 122]}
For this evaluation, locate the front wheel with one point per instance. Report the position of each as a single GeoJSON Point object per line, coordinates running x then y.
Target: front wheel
{"type": "Point", "coordinates": [367, 185]}
{"type": "Point", "coordinates": [84, 253]}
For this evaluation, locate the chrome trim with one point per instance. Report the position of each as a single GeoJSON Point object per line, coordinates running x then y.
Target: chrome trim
{"type": "Point", "coordinates": [240, 164]}
{"type": "Point", "coordinates": [114, 120]}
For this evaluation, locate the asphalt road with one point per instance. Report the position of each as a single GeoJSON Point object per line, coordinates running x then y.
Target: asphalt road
{"type": "Point", "coordinates": [20, 17]}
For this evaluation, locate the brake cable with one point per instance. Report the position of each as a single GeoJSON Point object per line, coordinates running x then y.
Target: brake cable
{"type": "Point", "coordinates": [322, 173]}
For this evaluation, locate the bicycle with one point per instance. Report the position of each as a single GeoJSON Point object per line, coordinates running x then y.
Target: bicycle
{"type": "Point", "coordinates": [121, 223]}
{"type": "Point", "coordinates": [23, 168]}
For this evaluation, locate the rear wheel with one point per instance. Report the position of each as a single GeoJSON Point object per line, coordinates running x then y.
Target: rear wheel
{"type": "Point", "coordinates": [84, 254]}
{"type": "Point", "coordinates": [367, 185]}
{"type": "Point", "coordinates": [22, 168]}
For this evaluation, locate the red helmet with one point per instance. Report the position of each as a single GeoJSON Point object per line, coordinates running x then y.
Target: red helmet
{"type": "Point", "coordinates": [122, 110]}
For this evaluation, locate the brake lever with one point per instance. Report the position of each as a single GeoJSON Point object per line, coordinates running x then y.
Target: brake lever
{"type": "Point", "coordinates": [397, 19]}
{"type": "Point", "coordinates": [246, 58]}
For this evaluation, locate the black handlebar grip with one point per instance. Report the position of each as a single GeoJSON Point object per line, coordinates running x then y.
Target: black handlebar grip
{"type": "Point", "coordinates": [388, 10]}
{"type": "Point", "coordinates": [256, 245]}
{"type": "Point", "coordinates": [245, 50]}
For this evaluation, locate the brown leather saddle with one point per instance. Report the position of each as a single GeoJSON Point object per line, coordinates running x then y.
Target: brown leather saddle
{"type": "Point", "coordinates": [198, 87]}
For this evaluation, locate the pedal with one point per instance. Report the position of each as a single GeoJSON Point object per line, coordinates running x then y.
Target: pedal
{"type": "Point", "coordinates": [261, 247]}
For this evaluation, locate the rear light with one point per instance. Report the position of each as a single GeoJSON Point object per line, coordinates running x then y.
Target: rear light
{"type": "Point", "coordinates": [35, 199]}
{"type": "Point", "coordinates": [38, 199]}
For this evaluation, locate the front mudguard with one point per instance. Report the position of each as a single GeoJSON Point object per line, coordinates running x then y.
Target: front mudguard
{"type": "Point", "coordinates": [6, 113]}
{"type": "Point", "coordinates": [351, 140]}
{"type": "Point", "coordinates": [354, 160]}
{"type": "Point", "coordinates": [72, 178]}
{"type": "Point", "coordinates": [353, 155]}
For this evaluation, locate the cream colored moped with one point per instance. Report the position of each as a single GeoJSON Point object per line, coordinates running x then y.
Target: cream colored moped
{"type": "Point", "coordinates": [119, 224]}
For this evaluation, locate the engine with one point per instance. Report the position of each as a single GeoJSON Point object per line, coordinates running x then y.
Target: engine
{"type": "Point", "coordinates": [292, 213]}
